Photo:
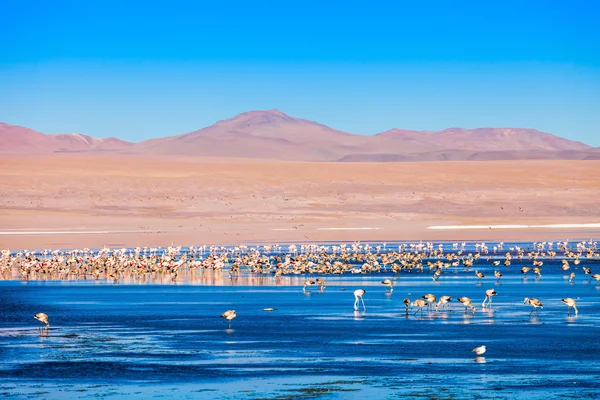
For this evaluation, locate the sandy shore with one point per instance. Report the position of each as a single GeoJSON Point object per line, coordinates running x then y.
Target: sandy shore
{"type": "Point", "coordinates": [76, 200]}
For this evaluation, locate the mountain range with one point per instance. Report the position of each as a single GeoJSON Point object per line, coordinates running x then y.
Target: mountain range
{"type": "Point", "coordinates": [272, 134]}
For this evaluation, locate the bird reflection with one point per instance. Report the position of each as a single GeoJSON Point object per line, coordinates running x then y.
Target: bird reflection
{"type": "Point", "coordinates": [359, 315]}
{"type": "Point", "coordinates": [479, 360]}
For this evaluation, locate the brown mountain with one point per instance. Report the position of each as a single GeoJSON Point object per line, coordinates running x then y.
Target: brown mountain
{"type": "Point", "coordinates": [272, 134]}
{"type": "Point", "coordinates": [489, 139]}
{"type": "Point", "coordinates": [79, 142]}
{"type": "Point", "coordinates": [275, 135]}
{"type": "Point", "coordinates": [17, 139]}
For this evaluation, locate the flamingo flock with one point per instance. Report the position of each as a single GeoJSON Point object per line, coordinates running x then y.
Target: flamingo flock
{"type": "Point", "coordinates": [172, 263]}
{"type": "Point", "coordinates": [146, 264]}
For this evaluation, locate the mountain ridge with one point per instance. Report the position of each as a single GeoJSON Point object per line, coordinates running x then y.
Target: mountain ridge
{"type": "Point", "coordinates": [272, 134]}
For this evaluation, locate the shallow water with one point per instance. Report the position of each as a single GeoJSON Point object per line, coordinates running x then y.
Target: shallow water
{"type": "Point", "coordinates": [167, 340]}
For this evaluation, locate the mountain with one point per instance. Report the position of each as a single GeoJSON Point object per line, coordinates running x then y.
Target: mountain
{"type": "Point", "coordinates": [271, 134]}
{"type": "Point", "coordinates": [17, 139]}
{"type": "Point", "coordinates": [259, 134]}
{"type": "Point", "coordinates": [274, 135]}
{"type": "Point", "coordinates": [79, 142]}
{"type": "Point", "coordinates": [489, 139]}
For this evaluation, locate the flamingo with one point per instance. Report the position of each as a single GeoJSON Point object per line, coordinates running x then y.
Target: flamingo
{"type": "Point", "coordinates": [419, 303]}
{"type": "Point", "coordinates": [535, 303]}
{"type": "Point", "coordinates": [308, 283]}
{"type": "Point", "coordinates": [570, 303]}
{"type": "Point", "coordinates": [321, 283]}
{"type": "Point", "coordinates": [465, 301]}
{"type": "Point", "coordinates": [229, 315]}
{"type": "Point", "coordinates": [358, 294]}
{"type": "Point", "coordinates": [444, 300]}
{"type": "Point", "coordinates": [488, 296]}
{"type": "Point", "coordinates": [43, 318]}
{"type": "Point", "coordinates": [406, 304]}
{"type": "Point", "coordinates": [389, 285]}
{"type": "Point", "coordinates": [431, 299]}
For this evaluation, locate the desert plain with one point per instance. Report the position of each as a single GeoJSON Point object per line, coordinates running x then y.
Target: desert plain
{"type": "Point", "coordinates": [94, 200]}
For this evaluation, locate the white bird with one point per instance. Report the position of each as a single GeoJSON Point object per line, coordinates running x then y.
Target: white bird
{"type": "Point", "coordinates": [570, 303]}
{"type": "Point", "coordinates": [229, 315]}
{"type": "Point", "coordinates": [43, 318]}
{"type": "Point", "coordinates": [479, 350]}
{"type": "Point", "coordinates": [444, 300]}
{"type": "Point", "coordinates": [308, 283]}
{"type": "Point", "coordinates": [321, 283]}
{"type": "Point", "coordinates": [389, 284]}
{"type": "Point", "coordinates": [534, 303]}
{"type": "Point", "coordinates": [488, 297]}
{"type": "Point", "coordinates": [358, 294]}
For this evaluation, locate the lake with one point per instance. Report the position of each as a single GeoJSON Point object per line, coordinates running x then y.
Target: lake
{"type": "Point", "coordinates": [165, 339]}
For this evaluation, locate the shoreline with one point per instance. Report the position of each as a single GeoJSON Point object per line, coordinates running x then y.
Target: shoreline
{"type": "Point", "coordinates": [547, 226]}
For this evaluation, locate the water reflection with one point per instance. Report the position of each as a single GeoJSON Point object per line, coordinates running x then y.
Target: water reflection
{"type": "Point", "coordinates": [534, 319]}
{"type": "Point", "coordinates": [359, 315]}
{"type": "Point", "coordinates": [480, 360]}
{"type": "Point", "coordinates": [571, 318]}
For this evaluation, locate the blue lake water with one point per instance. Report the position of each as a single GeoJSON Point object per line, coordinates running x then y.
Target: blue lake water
{"type": "Point", "coordinates": [167, 340]}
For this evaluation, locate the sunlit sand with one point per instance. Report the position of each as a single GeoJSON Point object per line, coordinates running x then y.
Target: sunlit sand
{"type": "Point", "coordinates": [547, 226]}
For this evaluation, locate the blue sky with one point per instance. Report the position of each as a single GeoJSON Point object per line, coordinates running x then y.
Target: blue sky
{"type": "Point", "coordinates": [142, 69]}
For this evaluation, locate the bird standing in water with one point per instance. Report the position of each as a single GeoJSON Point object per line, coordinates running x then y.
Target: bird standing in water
{"type": "Point", "coordinates": [419, 303]}
{"type": "Point", "coordinates": [406, 304]}
{"type": "Point", "coordinates": [229, 315]}
{"type": "Point", "coordinates": [488, 297]}
{"type": "Point", "coordinates": [570, 303]}
{"type": "Point", "coordinates": [465, 301]}
{"type": "Point", "coordinates": [535, 303]}
{"type": "Point", "coordinates": [444, 300]}
{"type": "Point", "coordinates": [479, 350]}
{"type": "Point", "coordinates": [389, 285]}
{"type": "Point", "coordinates": [358, 294]}
{"type": "Point", "coordinates": [43, 318]}
{"type": "Point", "coordinates": [431, 300]}
{"type": "Point", "coordinates": [308, 283]}
{"type": "Point", "coordinates": [321, 283]}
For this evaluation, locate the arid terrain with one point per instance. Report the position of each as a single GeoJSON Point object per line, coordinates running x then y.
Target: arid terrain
{"type": "Point", "coordinates": [94, 200]}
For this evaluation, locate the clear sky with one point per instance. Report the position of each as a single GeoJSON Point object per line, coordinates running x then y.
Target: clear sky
{"type": "Point", "coordinates": [138, 70]}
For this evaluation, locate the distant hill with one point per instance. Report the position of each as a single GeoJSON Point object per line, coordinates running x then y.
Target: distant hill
{"type": "Point", "coordinates": [271, 134]}
{"type": "Point", "coordinates": [489, 139]}
{"type": "Point", "coordinates": [17, 139]}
